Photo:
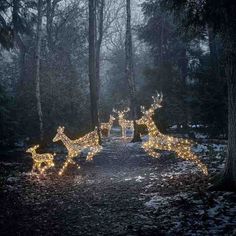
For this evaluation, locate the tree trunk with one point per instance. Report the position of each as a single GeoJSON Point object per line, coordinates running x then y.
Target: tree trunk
{"type": "Point", "coordinates": [228, 179]}
{"type": "Point", "coordinates": [49, 24]}
{"type": "Point", "coordinates": [230, 168]}
{"type": "Point", "coordinates": [213, 52]}
{"type": "Point", "coordinates": [229, 176]}
{"type": "Point", "coordinates": [38, 52]}
{"type": "Point", "coordinates": [130, 72]}
{"type": "Point", "coordinates": [51, 5]}
{"type": "Point", "coordinates": [92, 67]}
{"type": "Point", "coordinates": [99, 43]}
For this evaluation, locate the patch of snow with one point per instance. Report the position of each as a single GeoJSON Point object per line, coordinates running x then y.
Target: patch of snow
{"type": "Point", "coordinates": [200, 135]}
{"type": "Point", "coordinates": [128, 179]}
{"type": "Point", "coordinates": [214, 211]}
{"type": "Point", "coordinates": [144, 138]}
{"type": "Point", "coordinates": [139, 178]}
{"type": "Point", "coordinates": [116, 129]}
{"type": "Point", "coordinates": [173, 127]}
{"type": "Point", "coordinates": [12, 179]}
{"type": "Point", "coordinates": [10, 163]}
{"type": "Point", "coordinates": [148, 186]}
{"type": "Point", "coordinates": [152, 176]}
{"type": "Point", "coordinates": [200, 148]}
{"type": "Point", "coordinates": [162, 201]}
{"type": "Point", "coordinates": [183, 167]}
{"type": "Point", "coordinates": [203, 148]}
{"type": "Point", "coordinates": [219, 147]}
{"type": "Point", "coordinates": [196, 126]}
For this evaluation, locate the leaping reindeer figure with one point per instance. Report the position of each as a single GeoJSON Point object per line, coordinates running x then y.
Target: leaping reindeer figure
{"type": "Point", "coordinates": [125, 124]}
{"type": "Point", "coordinates": [108, 125]}
{"type": "Point", "coordinates": [157, 140]}
{"type": "Point", "coordinates": [40, 159]}
{"type": "Point", "coordinates": [75, 147]}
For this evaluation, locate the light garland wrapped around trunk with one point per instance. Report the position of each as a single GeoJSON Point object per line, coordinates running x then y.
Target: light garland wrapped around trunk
{"type": "Point", "coordinates": [41, 162]}
{"type": "Point", "coordinates": [125, 124]}
{"type": "Point", "coordinates": [181, 147]}
{"type": "Point", "coordinates": [75, 147]}
{"type": "Point", "coordinates": [108, 125]}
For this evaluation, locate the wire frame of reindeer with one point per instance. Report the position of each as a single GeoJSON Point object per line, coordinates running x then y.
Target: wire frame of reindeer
{"type": "Point", "coordinates": [180, 146]}
{"type": "Point", "coordinates": [75, 147]}
{"type": "Point", "coordinates": [41, 162]}
{"type": "Point", "coordinates": [107, 126]}
{"type": "Point", "coordinates": [124, 123]}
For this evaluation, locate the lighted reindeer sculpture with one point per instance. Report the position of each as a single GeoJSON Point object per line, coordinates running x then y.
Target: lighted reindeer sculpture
{"type": "Point", "coordinates": [41, 162]}
{"type": "Point", "coordinates": [75, 147]}
{"type": "Point", "coordinates": [125, 124]}
{"type": "Point", "coordinates": [181, 147]}
{"type": "Point", "coordinates": [108, 125]}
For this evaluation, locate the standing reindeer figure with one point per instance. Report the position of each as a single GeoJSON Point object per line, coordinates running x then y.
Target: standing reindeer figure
{"type": "Point", "coordinates": [157, 140]}
{"type": "Point", "coordinates": [108, 125]}
{"type": "Point", "coordinates": [75, 147]}
{"type": "Point", "coordinates": [125, 124]}
{"type": "Point", "coordinates": [41, 162]}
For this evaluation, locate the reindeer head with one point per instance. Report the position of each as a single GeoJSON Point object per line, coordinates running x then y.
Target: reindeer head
{"type": "Point", "coordinates": [121, 114]}
{"type": "Point", "coordinates": [32, 149]}
{"type": "Point", "coordinates": [112, 118]}
{"type": "Point", "coordinates": [60, 132]}
{"type": "Point", "coordinates": [147, 114]}
{"type": "Point", "coordinates": [157, 100]}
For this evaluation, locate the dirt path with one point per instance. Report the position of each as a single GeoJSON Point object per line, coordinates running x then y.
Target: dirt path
{"type": "Point", "coordinates": [122, 192]}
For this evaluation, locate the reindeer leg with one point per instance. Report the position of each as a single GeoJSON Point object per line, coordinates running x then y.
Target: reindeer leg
{"type": "Point", "coordinates": [33, 168]}
{"type": "Point", "coordinates": [90, 155]}
{"type": "Point", "coordinates": [38, 165]}
{"type": "Point", "coordinates": [64, 166]}
{"type": "Point", "coordinates": [42, 170]}
{"type": "Point", "coordinates": [189, 156]}
{"type": "Point", "coordinates": [97, 149]}
{"type": "Point", "coordinates": [150, 149]}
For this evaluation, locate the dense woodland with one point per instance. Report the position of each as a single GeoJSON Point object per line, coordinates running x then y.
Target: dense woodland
{"type": "Point", "coordinates": [188, 69]}
{"type": "Point", "coordinates": [73, 63]}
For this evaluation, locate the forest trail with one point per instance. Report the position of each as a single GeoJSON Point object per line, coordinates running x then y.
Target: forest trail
{"type": "Point", "coordinates": [122, 192]}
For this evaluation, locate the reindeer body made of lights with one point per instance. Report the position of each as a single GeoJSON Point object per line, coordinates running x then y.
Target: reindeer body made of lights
{"type": "Point", "coordinates": [75, 147]}
{"type": "Point", "coordinates": [41, 162]}
{"type": "Point", "coordinates": [125, 124]}
{"type": "Point", "coordinates": [181, 147]}
{"type": "Point", "coordinates": [108, 125]}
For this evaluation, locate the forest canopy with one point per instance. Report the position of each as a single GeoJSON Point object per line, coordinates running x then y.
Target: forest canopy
{"type": "Point", "coordinates": [188, 69]}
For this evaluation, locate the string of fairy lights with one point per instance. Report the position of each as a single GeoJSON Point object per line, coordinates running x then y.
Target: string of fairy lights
{"type": "Point", "coordinates": [75, 147]}
{"type": "Point", "coordinates": [124, 123]}
{"type": "Point", "coordinates": [108, 125]}
{"type": "Point", "coordinates": [156, 141]}
{"type": "Point", "coordinates": [41, 162]}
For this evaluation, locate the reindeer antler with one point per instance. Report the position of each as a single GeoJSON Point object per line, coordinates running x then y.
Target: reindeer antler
{"type": "Point", "coordinates": [142, 109]}
{"type": "Point", "coordinates": [36, 146]}
{"type": "Point", "coordinates": [60, 129]}
{"type": "Point", "coordinates": [126, 110]}
{"type": "Point", "coordinates": [114, 110]}
{"type": "Point", "coordinates": [157, 100]}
